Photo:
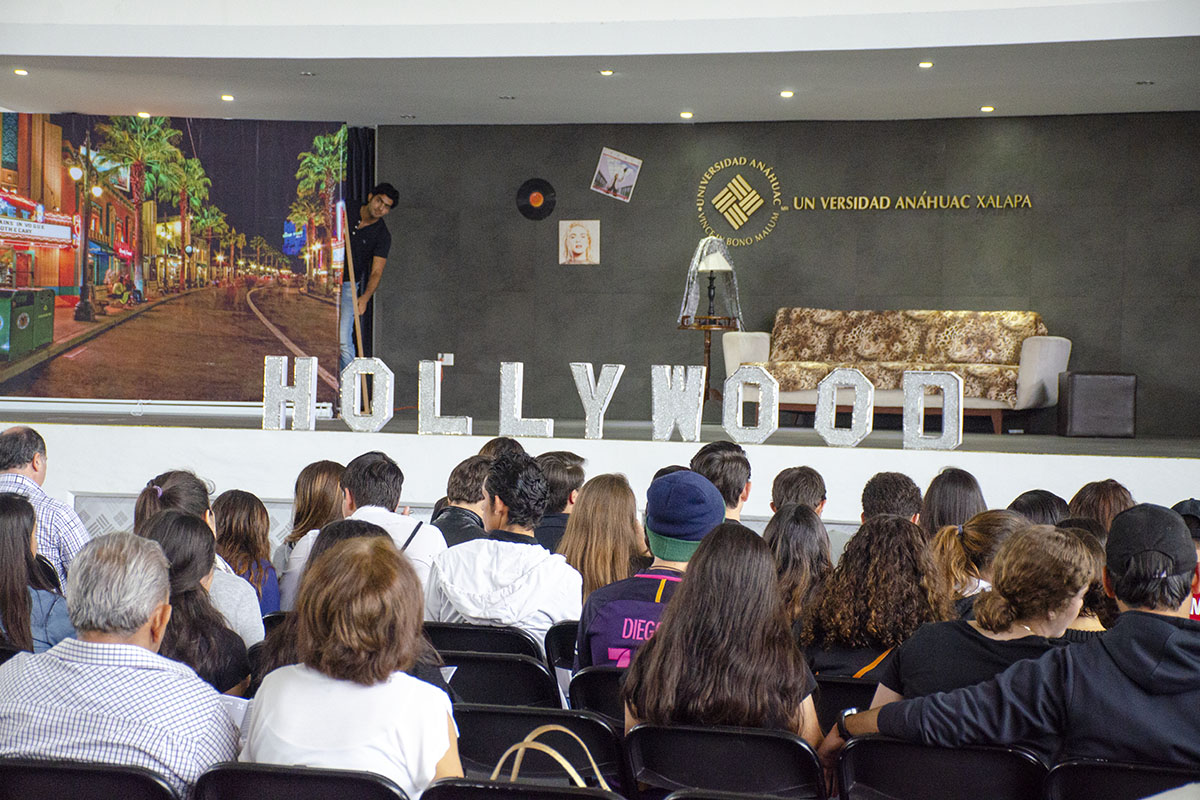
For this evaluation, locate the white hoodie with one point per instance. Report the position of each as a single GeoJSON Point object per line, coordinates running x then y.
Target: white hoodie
{"type": "Point", "coordinates": [490, 582]}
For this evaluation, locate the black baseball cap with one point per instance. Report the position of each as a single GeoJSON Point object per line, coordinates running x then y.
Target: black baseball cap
{"type": "Point", "coordinates": [1147, 528]}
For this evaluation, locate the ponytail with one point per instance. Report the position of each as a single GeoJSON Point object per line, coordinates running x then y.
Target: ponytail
{"type": "Point", "coordinates": [965, 552]}
{"type": "Point", "coordinates": [952, 560]}
{"type": "Point", "coordinates": [994, 612]}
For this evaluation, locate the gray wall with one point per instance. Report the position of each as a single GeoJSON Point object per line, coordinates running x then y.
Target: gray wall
{"type": "Point", "coordinates": [1109, 253]}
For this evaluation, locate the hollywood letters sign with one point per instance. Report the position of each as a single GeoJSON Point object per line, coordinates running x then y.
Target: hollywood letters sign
{"type": "Point", "coordinates": [677, 401]}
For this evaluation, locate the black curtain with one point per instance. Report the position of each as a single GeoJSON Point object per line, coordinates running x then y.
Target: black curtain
{"type": "Point", "coordinates": [360, 178]}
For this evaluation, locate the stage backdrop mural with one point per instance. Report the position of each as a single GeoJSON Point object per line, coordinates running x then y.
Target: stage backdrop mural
{"type": "Point", "coordinates": [162, 258]}
{"type": "Point", "coordinates": [1092, 221]}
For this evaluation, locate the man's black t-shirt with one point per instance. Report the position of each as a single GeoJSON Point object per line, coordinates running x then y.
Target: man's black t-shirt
{"type": "Point", "coordinates": [365, 243]}
{"type": "Point", "coordinates": [943, 656]}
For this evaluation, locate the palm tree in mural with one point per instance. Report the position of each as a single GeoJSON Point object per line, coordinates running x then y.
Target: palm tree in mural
{"type": "Point", "coordinates": [232, 239]}
{"type": "Point", "coordinates": [307, 212]}
{"type": "Point", "coordinates": [210, 222]}
{"type": "Point", "coordinates": [259, 244]}
{"type": "Point", "coordinates": [184, 183]}
{"type": "Point", "coordinates": [146, 146]}
{"type": "Point", "coordinates": [321, 173]}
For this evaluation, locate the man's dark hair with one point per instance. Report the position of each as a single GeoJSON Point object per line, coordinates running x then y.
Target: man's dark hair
{"type": "Point", "coordinates": [667, 471]}
{"type": "Point", "coordinates": [891, 493]}
{"type": "Point", "coordinates": [1146, 585]}
{"type": "Point", "coordinates": [726, 465]}
{"type": "Point", "coordinates": [466, 480]}
{"type": "Point", "coordinates": [388, 191]}
{"type": "Point", "coordinates": [518, 481]}
{"type": "Point", "coordinates": [801, 485]}
{"type": "Point", "coordinates": [373, 480]}
{"type": "Point", "coordinates": [18, 446]}
{"type": "Point", "coordinates": [494, 448]}
{"type": "Point", "coordinates": [564, 474]}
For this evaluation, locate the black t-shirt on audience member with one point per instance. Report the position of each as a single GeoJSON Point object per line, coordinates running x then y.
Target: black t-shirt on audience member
{"type": "Point", "coordinates": [845, 662]}
{"type": "Point", "coordinates": [943, 656]}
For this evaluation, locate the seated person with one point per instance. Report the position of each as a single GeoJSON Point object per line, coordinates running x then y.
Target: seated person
{"type": "Point", "coordinates": [33, 615]}
{"type": "Point", "coordinates": [799, 486]}
{"type": "Point", "coordinates": [507, 578]}
{"type": "Point", "coordinates": [728, 467]}
{"type": "Point", "coordinates": [318, 501]}
{"type": "Point", "coordinates": [1129, 695]}
{"type": "Point", "coordinates": [891, 493]}
{"type": "Point", "coordinates": [682, 507]}
{"type": "Point", "coordinates": [1040, 575]}
{"type": "Point", "coordinates": [1099, 611]}
{"type": "Point", "coordinates": [461, 518]}
{"type": "Point", "coordinates": [243, 531]}
{"type": "Point", "coordinates": [883, 588]}
{"type": "Point", "coordinates": [119, 291]}
{"type": "Point", "coordinates": [564, 478]}
{"type": "Point", "coordinates": [349, 703]}
{"type": "Point", "coordinates": [682, 675]}
{"type": "Point", "coordinates": [800, 545]}
{"type": "Point", "coordinates": [107, 695]}
{"type": "Point", "coordinates": [963, 554]}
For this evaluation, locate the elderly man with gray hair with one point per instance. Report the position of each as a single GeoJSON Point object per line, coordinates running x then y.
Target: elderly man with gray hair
{"type": "Point", "coordinates": [107, 696]}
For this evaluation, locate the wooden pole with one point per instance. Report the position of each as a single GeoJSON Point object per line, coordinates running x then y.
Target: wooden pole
{"type": "Point", "coordinates": [354, 305]}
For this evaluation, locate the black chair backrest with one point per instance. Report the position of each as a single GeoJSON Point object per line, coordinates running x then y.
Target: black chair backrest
{"type": "Point", "coordinates": [709, 794]}
{"type": "Point", "coordinates": [599, 689]}
{"type": "Point", "coordinates": [236, 781]}
{"type": "Point", "coordinates": [463, 638]}
{"type": "Point", "coordinates": [835, 694]}
{"type": "Point", "coordinates": [560, 644]}
{"type": "Point", "coordinates": [22, 779]}
{"type": "Point", "coordinates": [467, 789]}
{"type": "Point", "coordinates": [485, 732]}
{"type": "Point", "coordinates": [274, 620]}
{"type": "Point", "coordinates": [1112, 780]}
{"type": "Point", "coordinates": [502, 679]}
{"type": "Point", "coordinates": [748, 760]}
{"type": "Point", "coordinates": [875, 765]}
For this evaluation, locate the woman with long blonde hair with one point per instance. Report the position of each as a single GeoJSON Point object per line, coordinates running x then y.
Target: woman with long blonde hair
{"type": "Point", "coordinates": [603, 540]}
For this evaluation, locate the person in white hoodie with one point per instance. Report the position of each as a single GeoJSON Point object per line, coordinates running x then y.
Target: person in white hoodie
{"type": "Point", "coordinates": [507, 578]}
{"type": "Point", "coordinates": [371, 492]}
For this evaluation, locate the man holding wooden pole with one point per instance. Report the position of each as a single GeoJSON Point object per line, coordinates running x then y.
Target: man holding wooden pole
{"type": "Point", "coordinates": [370, 242]}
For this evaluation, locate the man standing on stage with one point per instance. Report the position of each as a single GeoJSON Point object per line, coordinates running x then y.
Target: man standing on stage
{"type": "Point", "coordinates": [370, 242]}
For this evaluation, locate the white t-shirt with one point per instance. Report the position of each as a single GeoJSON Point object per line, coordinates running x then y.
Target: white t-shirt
{"type": "Point", "coordinates": [292, 569]}
{"type": "Point", "coordinates": [423, 548]}
{"type": "Point", "coordinates": [396, 728]}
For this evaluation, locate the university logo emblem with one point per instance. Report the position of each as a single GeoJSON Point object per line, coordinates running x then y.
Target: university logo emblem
{"type": "Point", "coordinates": [743, 215]}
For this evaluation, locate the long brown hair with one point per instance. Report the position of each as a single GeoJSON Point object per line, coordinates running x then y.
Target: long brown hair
{"type": "Point", "coordinates": [18, 570]}
{"type": "Point", "coordinates": [1101, 500]}
{"type": "Point", "coordinates": [800, 545]}
{"type": "Point", "coordinates": [359, 611]}
{"type": "Point", "coordinates": [884, 587]}
{"type": "Point", "coordinates": [318, 498]}
{"type": "Point", "coordinates": [603, 536]}
{"type": "Point", "coordinates": [723, 653]}
{"type": "Point", "coordinates": [1037, 570]}
{"type": "Point", "coordinates": [964, 552]}
{"type": "Point", "coordinates": [243, 526]}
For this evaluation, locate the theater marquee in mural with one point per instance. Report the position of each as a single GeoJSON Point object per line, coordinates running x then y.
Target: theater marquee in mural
{"type": "Point", "coordinates": [741, 199]}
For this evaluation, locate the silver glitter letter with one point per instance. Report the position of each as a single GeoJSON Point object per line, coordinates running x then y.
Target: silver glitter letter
{"type": "Point", "coordinates": [678, 397]}
{"type": "Point", "coordinates": [768, 404]}
{"type": "Point", "coordinates": [277, 393]}
{"type": "Point", "coordinates": [429, 403]}
{"type": "Point", "coordinates": [862, 418]}
{"type": "Point", "coordinates": [951, 386]}
{"type": "Point", "coordinates": [512, 380]}
{"type": "Point", "coordinates": [595, 395]}
{"type": "Point", "coordinates": [383, 396]}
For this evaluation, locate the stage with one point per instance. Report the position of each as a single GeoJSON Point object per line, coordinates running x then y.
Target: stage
{"type": "Point", "coordinates": [102, 463]}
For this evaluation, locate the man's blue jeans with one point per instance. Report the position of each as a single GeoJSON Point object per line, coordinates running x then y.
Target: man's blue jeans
{"type": "Point", "coordinates": [347, 350]}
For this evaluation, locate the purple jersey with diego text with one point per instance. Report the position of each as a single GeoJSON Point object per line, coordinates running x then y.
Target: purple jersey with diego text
{"type": "Point", "coordinates": [617, 619]}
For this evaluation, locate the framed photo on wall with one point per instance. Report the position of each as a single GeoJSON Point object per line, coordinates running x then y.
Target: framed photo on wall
{"type": "Point", "coordinates": [579, 241]}
{"type": "Point", "coordinates": [616, 174]}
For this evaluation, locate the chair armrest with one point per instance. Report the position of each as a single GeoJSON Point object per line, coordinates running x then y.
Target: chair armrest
{"type": "Point", "coordinates": [746, 347]}
{"type": "Point", "coordinates": [1042, 358]}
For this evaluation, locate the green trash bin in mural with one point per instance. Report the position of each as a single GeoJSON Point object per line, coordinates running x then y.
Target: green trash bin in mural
{"type": "Point", "coordinates": [26, 321]}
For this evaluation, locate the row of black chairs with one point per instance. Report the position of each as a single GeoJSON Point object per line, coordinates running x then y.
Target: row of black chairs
{"type": "Point", "coordinates": [726, 764]}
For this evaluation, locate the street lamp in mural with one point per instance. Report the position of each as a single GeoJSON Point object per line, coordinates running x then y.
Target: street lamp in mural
{"type": "Point", "coordinates": [88, 177]}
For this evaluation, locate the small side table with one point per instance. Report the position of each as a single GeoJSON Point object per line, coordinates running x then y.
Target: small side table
{"type": "Point", "coordinates": [1096, 404]}
{"type": "Point", "coordinates": [708, 325]}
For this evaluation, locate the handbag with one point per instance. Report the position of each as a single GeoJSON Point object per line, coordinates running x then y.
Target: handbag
{"type": "Point", "coordinates": [530, 743]}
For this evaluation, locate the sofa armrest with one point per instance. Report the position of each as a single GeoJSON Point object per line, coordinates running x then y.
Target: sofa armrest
{"type": "Point", "coordinates": [747, 347]}
{"type": "Point", "coordinates": [1042, 358]}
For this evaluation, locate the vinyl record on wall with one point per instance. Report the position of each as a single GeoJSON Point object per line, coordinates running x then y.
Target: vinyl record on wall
{"type": "Point", "coordinates": [535, 199]}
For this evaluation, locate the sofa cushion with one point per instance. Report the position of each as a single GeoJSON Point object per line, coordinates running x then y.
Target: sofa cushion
{"type": "Point", "coordinates": [961, 337]}
{"type": "Point", "coordinates": [988, 381]}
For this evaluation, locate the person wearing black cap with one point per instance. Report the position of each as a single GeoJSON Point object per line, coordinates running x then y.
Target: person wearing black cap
{"type": "Point", "coordinates": [1190, 511]}
{"type": "Point", "coordinates": [681, 509]}
{"type": "Point", "coordinates": [1130, 694]}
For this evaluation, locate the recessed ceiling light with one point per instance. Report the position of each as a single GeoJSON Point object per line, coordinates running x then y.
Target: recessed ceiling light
{"type": "Point", "coordinates": [20, 72]}
{"type": "Point", "coordinates": [144, 114]}
{"type": "Point", "coordinates": [787, 93]}
{"type": "Point", "coordinates": [685, 114]}
{"type": "Point", "coordinates": [606, 72]}
{"type": "Point", "coordinates": [1144, 83]}
{"type": "Point", "coordinates": [925, 65]}
{"type": "Point", "coordinates": [508, 97]}
{"type": "Point", "coordinates": [228, 98]}
{"type": "Point", "coordinates": [987, 109]}
{"type": "Point", "coordinates": [307, 74]}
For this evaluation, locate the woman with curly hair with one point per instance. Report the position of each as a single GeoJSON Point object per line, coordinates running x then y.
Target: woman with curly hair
{"type": "Point", "coordinates": [1040, 576]}
{"type": "Point", "coordinates": [800, 545]}
{"type": "Point", "coordinates": [1099, 612]}
{"type": "Point", "coordinates": [884, 587]}
{"type": "Point", "coordinates": [726, 611]}
{"type": "Point", "coordinates": [318, 502]}
{"type": "Point", "coordinates": [604, 539]}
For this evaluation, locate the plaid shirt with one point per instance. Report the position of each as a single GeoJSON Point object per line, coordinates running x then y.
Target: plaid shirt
{"type": "Point", "coordinates": [60, 532]}
{"type": "Point", "coordinates": [114, 704]}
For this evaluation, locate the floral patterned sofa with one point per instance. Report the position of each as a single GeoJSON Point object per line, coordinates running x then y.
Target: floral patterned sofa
{"type": "Point", "coordinates": [1006, 359]}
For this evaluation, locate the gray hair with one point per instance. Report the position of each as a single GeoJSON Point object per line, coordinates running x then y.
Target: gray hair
{"type": "Point", "coordinates": [116, 582]}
